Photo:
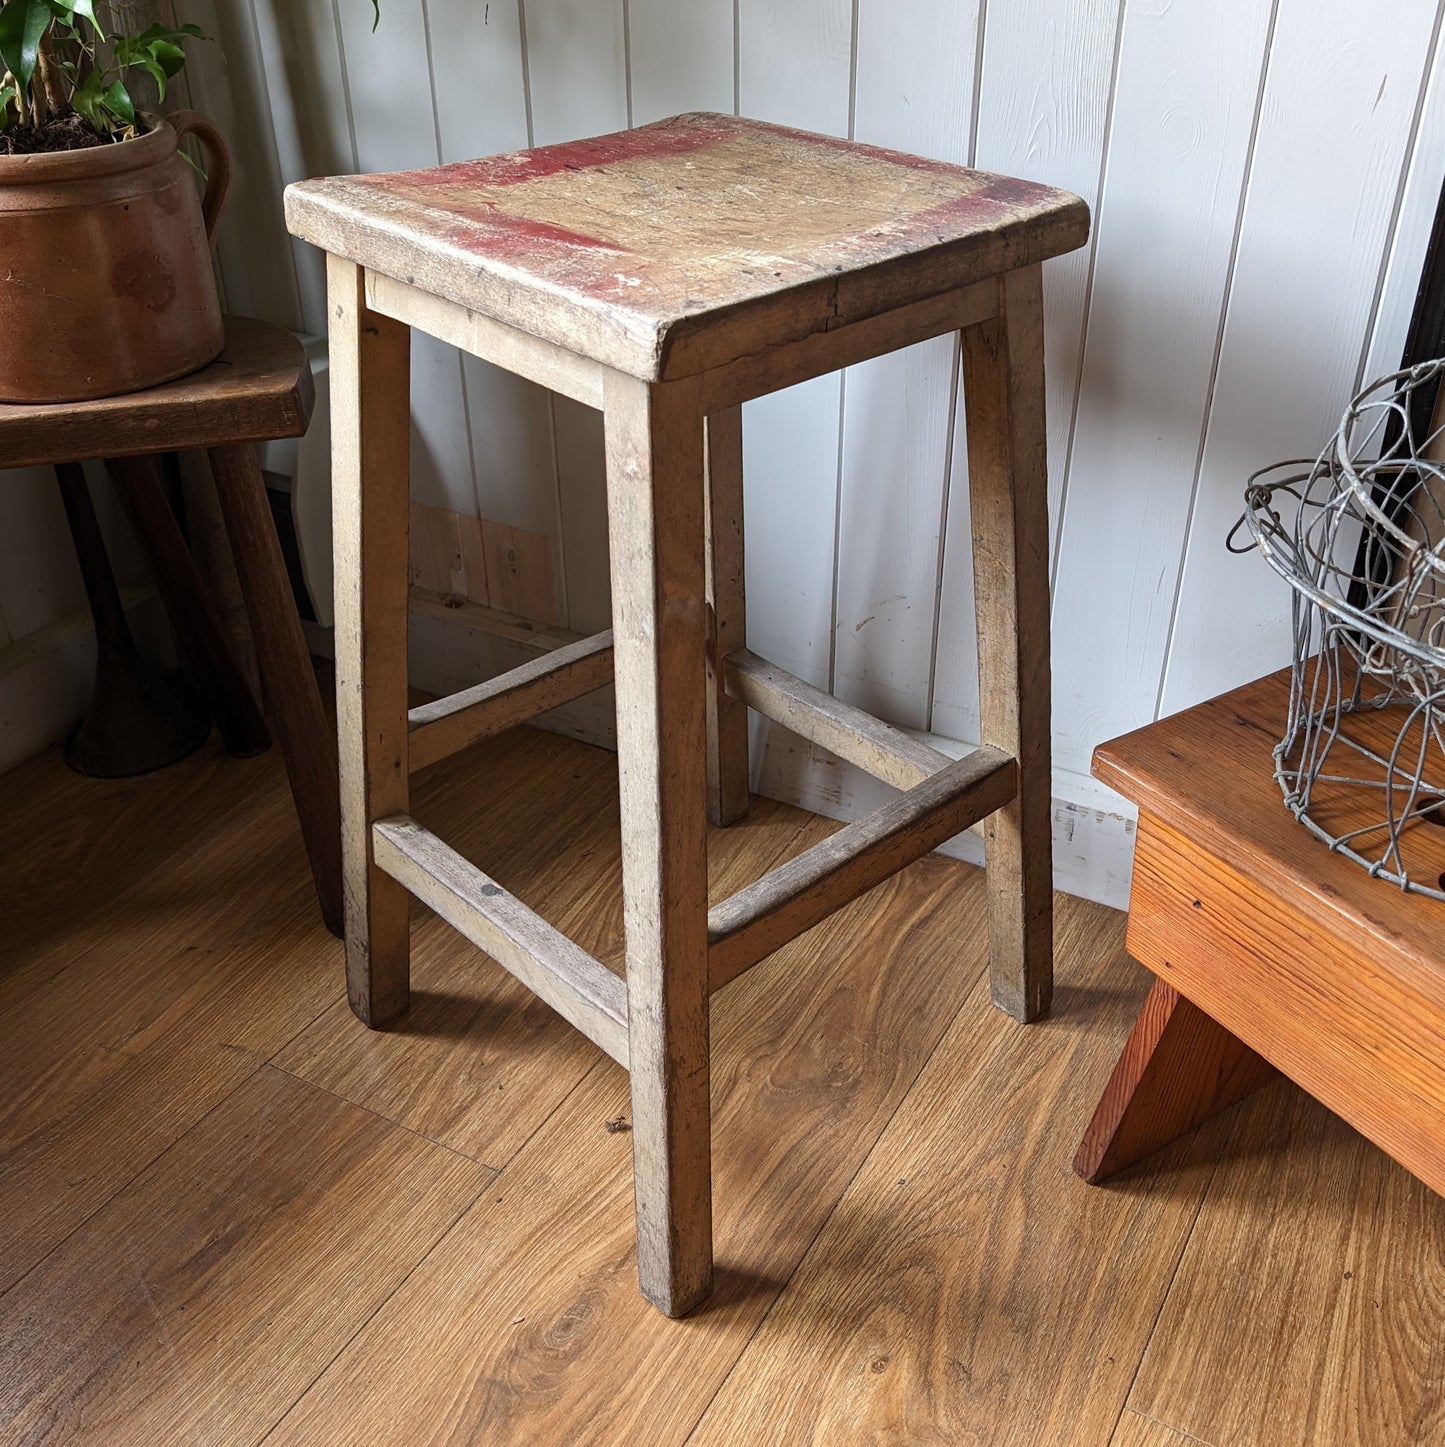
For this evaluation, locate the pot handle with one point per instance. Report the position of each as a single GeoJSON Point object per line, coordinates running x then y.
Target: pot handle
{"type": "Point", "coordinates": [218, 165]}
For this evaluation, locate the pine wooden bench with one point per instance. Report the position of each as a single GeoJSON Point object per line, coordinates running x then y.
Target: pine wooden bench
{"type": "Point", "coordinates": [1272, 952]}
{"type": "Point", "coordinates": [259, 388]}
{"type": "Point", "coordinates": [666, 275]}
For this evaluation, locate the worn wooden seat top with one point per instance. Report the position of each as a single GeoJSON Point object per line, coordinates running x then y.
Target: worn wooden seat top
{"type": "Point", "coordinates": [686, 244]}
{"type": "Point", "coordinates": [259, 388]}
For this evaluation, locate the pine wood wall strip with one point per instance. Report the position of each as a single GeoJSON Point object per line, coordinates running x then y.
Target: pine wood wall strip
{"type": "Point", "coordinates": [518, 352]}
{"type": "Point", "coordinates": [441, 728]}
{"type": "Point", "coordinates": [812, 356]}
{"type": "Point", "coordinates": [799, 894]}
{"type": "Point", "coordinates": [882, 750]}
{"type": "Point", "coordinates": [578, 987]}
{"type": "Point", "coordinates": [370, 446]}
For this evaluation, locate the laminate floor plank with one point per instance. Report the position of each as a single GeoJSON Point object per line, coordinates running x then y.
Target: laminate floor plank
{"type": "Point", "coordinates": [1310, 1305]}
{"type": "Point", "coordinates": [525, 1325]}
{"type": "Point", "coordinates": [965, 1263]}
{"type": "Point", "coordinates": [206, 1296]}
{"type": "Point", "coordinates": [1136, 1431]}
{"type": "Point", "coordinates": [479, 1062]}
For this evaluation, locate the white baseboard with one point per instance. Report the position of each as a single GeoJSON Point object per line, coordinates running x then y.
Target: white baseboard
{"type": "Point", "coordinates": [1093, 827]}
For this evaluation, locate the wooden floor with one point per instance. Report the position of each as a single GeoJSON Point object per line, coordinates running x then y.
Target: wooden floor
{"type": "Point", "coordinates": [230, 1214]}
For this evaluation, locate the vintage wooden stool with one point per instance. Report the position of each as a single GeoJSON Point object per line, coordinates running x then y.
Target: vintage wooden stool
{"type": "Point", "coordinates": [665, 275]}
{"type": "Point", "coordinates": [1273, 954]}
{"type": "Point", "coordinates": [259, 388]}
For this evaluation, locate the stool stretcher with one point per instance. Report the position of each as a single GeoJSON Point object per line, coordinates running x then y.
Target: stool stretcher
{"type": "Point", "coordinates": [577, 986]}
{"type": "Point", "coordinates": [439, 729]}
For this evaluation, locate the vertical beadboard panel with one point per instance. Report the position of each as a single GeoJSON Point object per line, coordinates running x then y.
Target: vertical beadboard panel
{"type": "Point", "coordinates": [1420, 196]}
{"type": "Point", "coordinates": [1043, 109]}
{"type": "Point", "coordinates": [576, 63]}
{"type": "Point", "coordinates": [795, 64]}
{"type": "Point", "coordinates": [481, 109]}
{"type": "Point", "coordinates": [395, 129]}
{"type": "Point", "coordinates": [682, 57]}
{"type": "Point", "coordinates": [577, 59]}
{"type": "Point", "coordinates": [1188, 89]}
{"type": "Point", "coordinates": [1311, 248]}
{"type": "Point", "coordinates": [225, 83]}
{"type": "Point", "coordinates": [914, 92]}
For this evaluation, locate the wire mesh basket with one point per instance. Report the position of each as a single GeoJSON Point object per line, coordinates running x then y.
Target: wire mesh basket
{"type": "Point", "coordinates": [1362, 761]}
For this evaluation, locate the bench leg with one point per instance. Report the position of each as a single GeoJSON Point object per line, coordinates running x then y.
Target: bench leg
{"type": "Point", "coordinates": [371, 439]}
{"type": "Point", "coordinates": [655, 526]}
{"type": "Point", "coordinates": [287, 676]}
{"type": "Point", "coordinates": [727, 718]}
{"type": "Point", "coordinates": [1178, 1068]}
{"type": "Point", "coordinates": [1003, 378]}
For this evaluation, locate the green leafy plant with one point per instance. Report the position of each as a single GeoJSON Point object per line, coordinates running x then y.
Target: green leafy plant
{"type": "Point", "coordinates": [58, 61]}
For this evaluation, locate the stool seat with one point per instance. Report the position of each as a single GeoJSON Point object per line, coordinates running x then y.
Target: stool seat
{"type": "Point", "coordinates": [687, 244]}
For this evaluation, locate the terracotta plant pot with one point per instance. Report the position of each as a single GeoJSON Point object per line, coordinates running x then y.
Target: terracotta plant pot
{"type": "Point", "coordinates": [105, 265]}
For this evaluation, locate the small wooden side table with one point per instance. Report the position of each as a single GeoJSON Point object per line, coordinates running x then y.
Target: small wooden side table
{"type": "Point", "coordinates": [1272, 952]}
{"type": "Point", "coordinates": [259, 388]}
{"type": "Point", "coordinates": [665, 275]}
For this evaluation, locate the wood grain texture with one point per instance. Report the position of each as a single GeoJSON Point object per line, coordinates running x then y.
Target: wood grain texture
{"type": "Point", "coordinates": [808, 888]}
{"type": "Point", "coordinates": [293, 701]}
{"type": "Point", "coordinates": [728, 792]}
{"type": "Point", "coordinates": [479, 1063]}
{"type": "Point", "coordinates": [1003, 378]}
{"type": "Point", "coordinates": [1136, 1431]}
{"type": "Point", "coordinates": [1333, 977]}
{"type": "Point", "coordinates": [878, 748]}
{"type": "Point", "coordinates": [652, 266]}
{"type": "Point", "coordinates": [519, 1342]}
{"type": "Point", "coordinates": [444, 726]}
{"type": "Point", "coordinates": [258, 388]}
{"type": "Point", "coordinates": [959, 1270]}
{"type": "Point", "coordinates": [1177, 1069]}
{"type": "Point", "coordinates": [205, 1296]}
{"type": "Point", "coordinates": [655, 512]}
{"type": "Point", "coordinates": [1304, 1309]}
{"type": "Point", "coordinates": [370, 513]}
{"type": "Point", "coordinates": [102, 1068]}
{"type": "Point", "coordinates": [558, 971]}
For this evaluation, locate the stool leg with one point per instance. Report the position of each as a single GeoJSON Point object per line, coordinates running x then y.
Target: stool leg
{"type": "Point", "coordinates": [370, 441]}
{"type": "Point", "coordinates": [286, 672]}
{"type": "Point", "coordinates": [1003, 378]}
{"type": "Point", "coordinates": [727, 718]}
{"type": "Point", "coordinates": [655, 526]}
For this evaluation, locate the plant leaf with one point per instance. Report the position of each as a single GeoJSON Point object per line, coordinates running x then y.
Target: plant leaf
{"type": "Point", "coordinates": [376, 6]}
{"type": "Point", "coordinates": [22, 23]}
{"type": "Point", "coordinates": [118, 102]}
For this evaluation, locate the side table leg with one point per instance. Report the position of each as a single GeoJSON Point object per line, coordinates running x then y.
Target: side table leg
{"type": "Point", "coordinates": [1178, 1068]}
{"type": "Point", "coordinates": [200, 639]}
{"type": "Point", "coordinates": [1003, 379]}
{"type": "Point", "coordinates": [655, 523]}
{"type": "Point", "coordinates": [287, 675]}
{"type": "Point", "coordinates": [371, 442]}
{"type": "Point", "coordinates": [727, 718]}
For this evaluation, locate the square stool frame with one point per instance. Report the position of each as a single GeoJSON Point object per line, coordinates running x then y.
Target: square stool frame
{"type": "Point", "coordinates": [685, 681]}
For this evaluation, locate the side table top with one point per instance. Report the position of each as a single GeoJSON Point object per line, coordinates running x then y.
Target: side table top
{"type": "Point", "coordinates": [1208, 772]}
{"type": "Point", "coordinates": [686, 244]}
{"type": "Point", "coordinates": [260, 387]}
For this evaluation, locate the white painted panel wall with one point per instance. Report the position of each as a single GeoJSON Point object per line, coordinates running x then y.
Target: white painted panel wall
{"type": "Point", "coordinates": [1263, 175]}
{"type": "Point", "coordinates": [1300, 309]}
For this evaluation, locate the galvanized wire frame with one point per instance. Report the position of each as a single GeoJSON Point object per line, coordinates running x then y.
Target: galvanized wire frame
{"type": "Point", "coordinates": [1367, 526]}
